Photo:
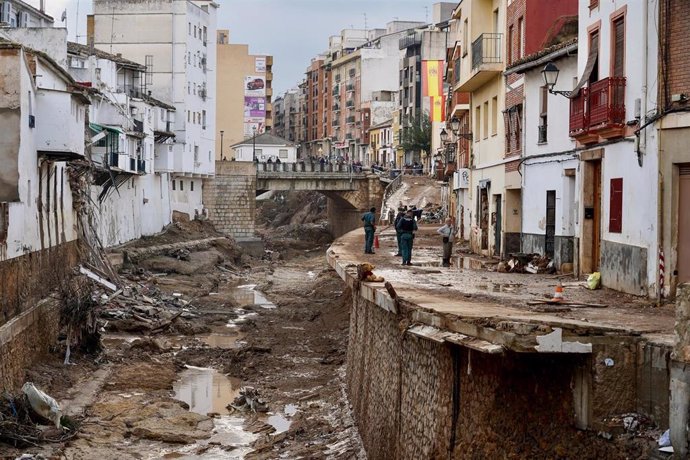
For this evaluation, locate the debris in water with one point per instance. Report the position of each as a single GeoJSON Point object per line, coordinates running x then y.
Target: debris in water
{"type": "Point", "coordinates": [248, 399]}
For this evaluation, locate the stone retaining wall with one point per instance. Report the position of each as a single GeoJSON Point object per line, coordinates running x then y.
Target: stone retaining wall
{"type": "Point", "coordinates": [230, 197]}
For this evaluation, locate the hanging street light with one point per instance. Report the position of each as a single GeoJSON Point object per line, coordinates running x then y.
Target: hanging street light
{"type": "Point", "coordinates": [550, 75]}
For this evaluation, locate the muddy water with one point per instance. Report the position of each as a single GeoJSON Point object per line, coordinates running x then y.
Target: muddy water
{"type": "Point", "coordinates": [208, 391]}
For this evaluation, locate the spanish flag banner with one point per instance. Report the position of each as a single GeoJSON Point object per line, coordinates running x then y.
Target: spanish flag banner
{"type": "Point", "coordinates": [432, 80]}
{"type": "Point", "coordinates": [438, 108]}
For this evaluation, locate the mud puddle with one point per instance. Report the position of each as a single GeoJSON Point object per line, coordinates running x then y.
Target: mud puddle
{"type": "Point", "coordinates": [207, 391]}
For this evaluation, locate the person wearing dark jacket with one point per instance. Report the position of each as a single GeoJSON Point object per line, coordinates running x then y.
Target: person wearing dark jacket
{"type": "Point", "coordinates": [407, 226]}
{"type": "Point", "coordinates": [369, 220]}
{"type": "Point", "coordinates": [398, 233]}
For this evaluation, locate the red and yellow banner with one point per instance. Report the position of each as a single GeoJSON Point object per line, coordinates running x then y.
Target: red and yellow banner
{"type": "Point", "coordinates": [438, 108]}
{"type": "Point", "coordinates": [432, 80]}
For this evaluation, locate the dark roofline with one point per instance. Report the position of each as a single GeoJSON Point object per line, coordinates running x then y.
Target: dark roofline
{"type": "Point", "coordinates": [542, 57]}
{"type": "Point", "coordinates": [78, 48]}
{"type": "Point", "coordinates": [36, 10]}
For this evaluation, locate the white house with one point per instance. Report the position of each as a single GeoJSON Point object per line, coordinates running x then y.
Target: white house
{"type": "Point", "coordinates": [128, 128]}
{"type": "Point", "coordinates": [175, 40]}
{"type": "Point", "coordinates": [265, 147]}
{"type": "Point", "coordinates": [617, 225]}
{"type": "Point", "coordinates": [41, 129]}
{"type": "Point", "coordinates": [549, 165]}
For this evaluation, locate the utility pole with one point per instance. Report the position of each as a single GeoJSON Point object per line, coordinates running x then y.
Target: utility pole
{"type": "Point", "coordinates": [221, 145]}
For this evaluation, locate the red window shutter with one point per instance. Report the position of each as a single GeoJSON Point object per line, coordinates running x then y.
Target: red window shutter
{"type": "Point", "coordinates": [616, 208]}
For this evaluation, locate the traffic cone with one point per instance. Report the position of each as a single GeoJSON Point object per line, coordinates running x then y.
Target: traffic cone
{"type": "Point", "coordinates": [558, 295]}
{"type": "Point", "coordinates": [376, 241]}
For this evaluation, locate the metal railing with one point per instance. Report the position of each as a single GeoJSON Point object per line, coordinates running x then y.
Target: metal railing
{"type": "Point", "coordinates": [600, 105]}
{"type": "Point", "coordinates": [486, 49]}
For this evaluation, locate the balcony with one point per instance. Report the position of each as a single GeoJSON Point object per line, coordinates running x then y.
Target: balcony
{"type": "Point", "coordinates": [350, 104]}
{"type": "Point", "coordinates": [598, 111]}
{"type": "Point", "coordinates": [487, 61]}
{"type": "Point", "coordinates": [410, 40]}
{"type": "Point", "coordinates": [350, 87]}
{"type": "Point", "coordinates": [350, 119]}
{"type": "Point", "coordinates": [336, 90]}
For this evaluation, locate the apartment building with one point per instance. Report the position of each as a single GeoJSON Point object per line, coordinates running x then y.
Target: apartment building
{"type": "Point", "coordinates": [318, 108]}
{"type": "Point", "coordinates": [481, 66]}
{"type": "Point", "coordinates": [175, 41]}
{"type": "Point", "coordinates": [131, 145]}
{"type": "Point", "coordinates": [245, 92]}
{"type": "Point", "coordinates": [19, 14]}
{"type": "Point", "coordinates": [549, 162]}
{"type": "Point", "coordinates": [674, 137]}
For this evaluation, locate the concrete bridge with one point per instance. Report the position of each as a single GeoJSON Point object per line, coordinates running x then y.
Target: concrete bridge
{"type": "Point", "coordinates": [230, 196]}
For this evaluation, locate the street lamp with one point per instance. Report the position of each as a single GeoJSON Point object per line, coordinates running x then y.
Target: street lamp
{"type": "Point", "coordinates": [254, 144]}
{"type": "Point", "coordinates": [221, 145]}
{"type": "Point", "coordinates": [550, 75]}
{"type": "Point", "coordinates": [444, 135]}
{"type": "Point", "coordinates": [455, 124]}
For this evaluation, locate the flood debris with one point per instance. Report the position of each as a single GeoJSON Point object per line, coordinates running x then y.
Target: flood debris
{"type": "Point", "coordinates": [526, 263]}
{"type": "Point", "coordinates": [22, 424]}
{"type": "Point", "coordinates": [248, 400]}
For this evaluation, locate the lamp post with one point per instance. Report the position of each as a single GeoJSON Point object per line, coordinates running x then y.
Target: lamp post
{"type": "Point", "coordinates": [254, 144]}
{"type": "Point", "coordinates": [550, 75]}
{"type": "Point", "coordinates": [221, 145]}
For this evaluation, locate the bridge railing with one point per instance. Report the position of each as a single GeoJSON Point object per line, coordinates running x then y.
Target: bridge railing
{"type": "Point", "coordinates": [307, 167]}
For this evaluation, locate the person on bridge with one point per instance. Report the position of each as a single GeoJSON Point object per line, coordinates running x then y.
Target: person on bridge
{"type": "Point", "coordinates": [447, 232]}
{"type": "Point", "coordinates": [398, 233]}
{"type": "Point", "coordinates": [407, 226]}
{"type": "Point", "coordinates": [369, 220]}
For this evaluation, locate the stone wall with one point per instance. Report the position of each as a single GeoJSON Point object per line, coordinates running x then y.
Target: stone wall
{"type": "Point", "coordinates": [29, 325]}
{"type": "Point", "coordinates": [414, 397]}
{"type": "Point", "coordinates": [230, 197]}
{"type": "Point", "coordinates": [399, 386]}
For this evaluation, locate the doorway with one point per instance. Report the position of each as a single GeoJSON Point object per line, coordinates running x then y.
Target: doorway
{"type": "Point", "coordinates": [683, 264]}
{"type": "Point", "coordinates": [498, 224]}
{"type": "Point", "coordinates": [550, 223]}
{"type": "Point", "coordinates": [590, 245]}
{"type": "Point", "coordinates": [484, 218]}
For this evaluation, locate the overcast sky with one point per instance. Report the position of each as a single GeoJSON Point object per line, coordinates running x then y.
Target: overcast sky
{"type": "Point", "coordinates": [293, 31]}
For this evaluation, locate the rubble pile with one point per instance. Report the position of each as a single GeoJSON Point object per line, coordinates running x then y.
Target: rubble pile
{"type": "Point", "coordinates": [526, 263]}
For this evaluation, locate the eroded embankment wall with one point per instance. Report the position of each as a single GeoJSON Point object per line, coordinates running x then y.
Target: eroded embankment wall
{"type": "Point", "coordinates": [416, 398]}
{"type": "Point", "coordinates": [28, 325]}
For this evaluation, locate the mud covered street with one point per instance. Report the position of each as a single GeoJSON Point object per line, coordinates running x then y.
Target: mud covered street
{"type": "Point", "coordinates": [194, 327]}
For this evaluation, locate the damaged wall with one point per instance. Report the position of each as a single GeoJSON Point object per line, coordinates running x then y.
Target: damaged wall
{"type": "Point", "coordinates": [230, 198]}
{"type": "Point", "coordinates": [10, 114]}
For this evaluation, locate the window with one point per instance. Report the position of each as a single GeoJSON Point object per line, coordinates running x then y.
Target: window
{"type": "Point", "coordinates": [189, 25]}
{"type": "Point", "coordinates": [494, 115]}
{"type": "Point", "coordinates": [465, 38]}
{"type": "Point", "coordinates": [191, 186]}
{"type": "Point", "coordinates": [282, 153]}
{"type": "Point", "coordinates": [520, 38]}
{"type": "Point", "coordinates": [618, 60]}
{"type": "Point", "coordinates": [477, 124]}
{"type": "Point", "coordinates": [149, 69]}
{"type": "Point", "coordinates": [593, 4]}
{"type": "Point", "coordinates": [486, 120]}
{"type": "Point", "coordinates": [510, 45]}
{"type": "Point", "coordinates": [196, 154]}
{"type": "Point", "coordinates": [543, 114]}
{"type": "Point", "coordinates": [616, 206]}
{"type": "Point", "coordinates": [189, 116]}
{"type": "Point", "coordinates": [181, 185]}
{"type": "Point", "coordinates": [203, 119]}
{"type": "Point", "coordinates": [594, 48]}
{"type": "Point", "coordinates": [259, 152]}
{"type": "Point", "coordinates": [194, 31]}
{"type": "Point", "coordinates": [173, 184]}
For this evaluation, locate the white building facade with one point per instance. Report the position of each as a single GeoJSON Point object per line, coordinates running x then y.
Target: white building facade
{"type": "Point", "coordinates": [264, 148]}
{"type": "Point", "coordinates": [617, 227]}
{"type": "Point", "coordinates": [175, 41]}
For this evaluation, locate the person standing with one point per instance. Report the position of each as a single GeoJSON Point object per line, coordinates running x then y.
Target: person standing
{"type": "Point", "coordinates": [447, 232]}
{"type": "Point", "coordinates": [407, 227]}
{"type": "Point", "coordinates": [369, 220]}
{"type": "Point", "coordinates": [398, 233]}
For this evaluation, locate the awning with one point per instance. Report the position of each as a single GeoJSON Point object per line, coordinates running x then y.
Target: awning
{"type": "Point", "coordinates": [591, 61]}
{"type": "Point", "coordinates": [95, 127]}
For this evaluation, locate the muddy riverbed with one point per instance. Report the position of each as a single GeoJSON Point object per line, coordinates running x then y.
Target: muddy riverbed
{"type": "Point", "coordinates": [278, 325]}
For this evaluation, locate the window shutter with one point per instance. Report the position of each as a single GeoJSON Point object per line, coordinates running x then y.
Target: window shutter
{"type": "Point", "coordinates": [619, 47]}
{"type": "Point", "coordinates": [616, 206]}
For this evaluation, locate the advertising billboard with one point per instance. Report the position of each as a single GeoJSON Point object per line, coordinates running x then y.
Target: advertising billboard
{"type": "Point", "coordinates": [260, 64]}
{"type": "Point", "coordinates": [254, 107]}
{"type": "Point", "coordinates": [254, 85]}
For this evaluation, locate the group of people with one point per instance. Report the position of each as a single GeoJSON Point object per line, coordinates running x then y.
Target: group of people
{"type": "Point", "coordinates": [405, 228]}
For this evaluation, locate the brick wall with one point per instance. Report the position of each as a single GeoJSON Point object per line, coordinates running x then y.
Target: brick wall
{"type": "Point", "coordinates": [230, 197]}
{"type": "Point", "coordinates": [674, 24]}
{"type": "Point", "coordinates": [29, 325]}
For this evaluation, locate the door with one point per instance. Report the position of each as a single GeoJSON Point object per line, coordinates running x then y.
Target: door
{"type": "Point", "coordinates": [683, 265]}
{"type": "Point", "coordinates": [550, 222]}
{"type": "Point", "coordinates": [596, 227]}
{"type": "Point", "coordinates": [484, 218]}
{"type": "Point", "coordinates": [497, 227]}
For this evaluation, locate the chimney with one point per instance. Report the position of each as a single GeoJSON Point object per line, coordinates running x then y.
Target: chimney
{"type": "Point", "coordinates": [42, 7]}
